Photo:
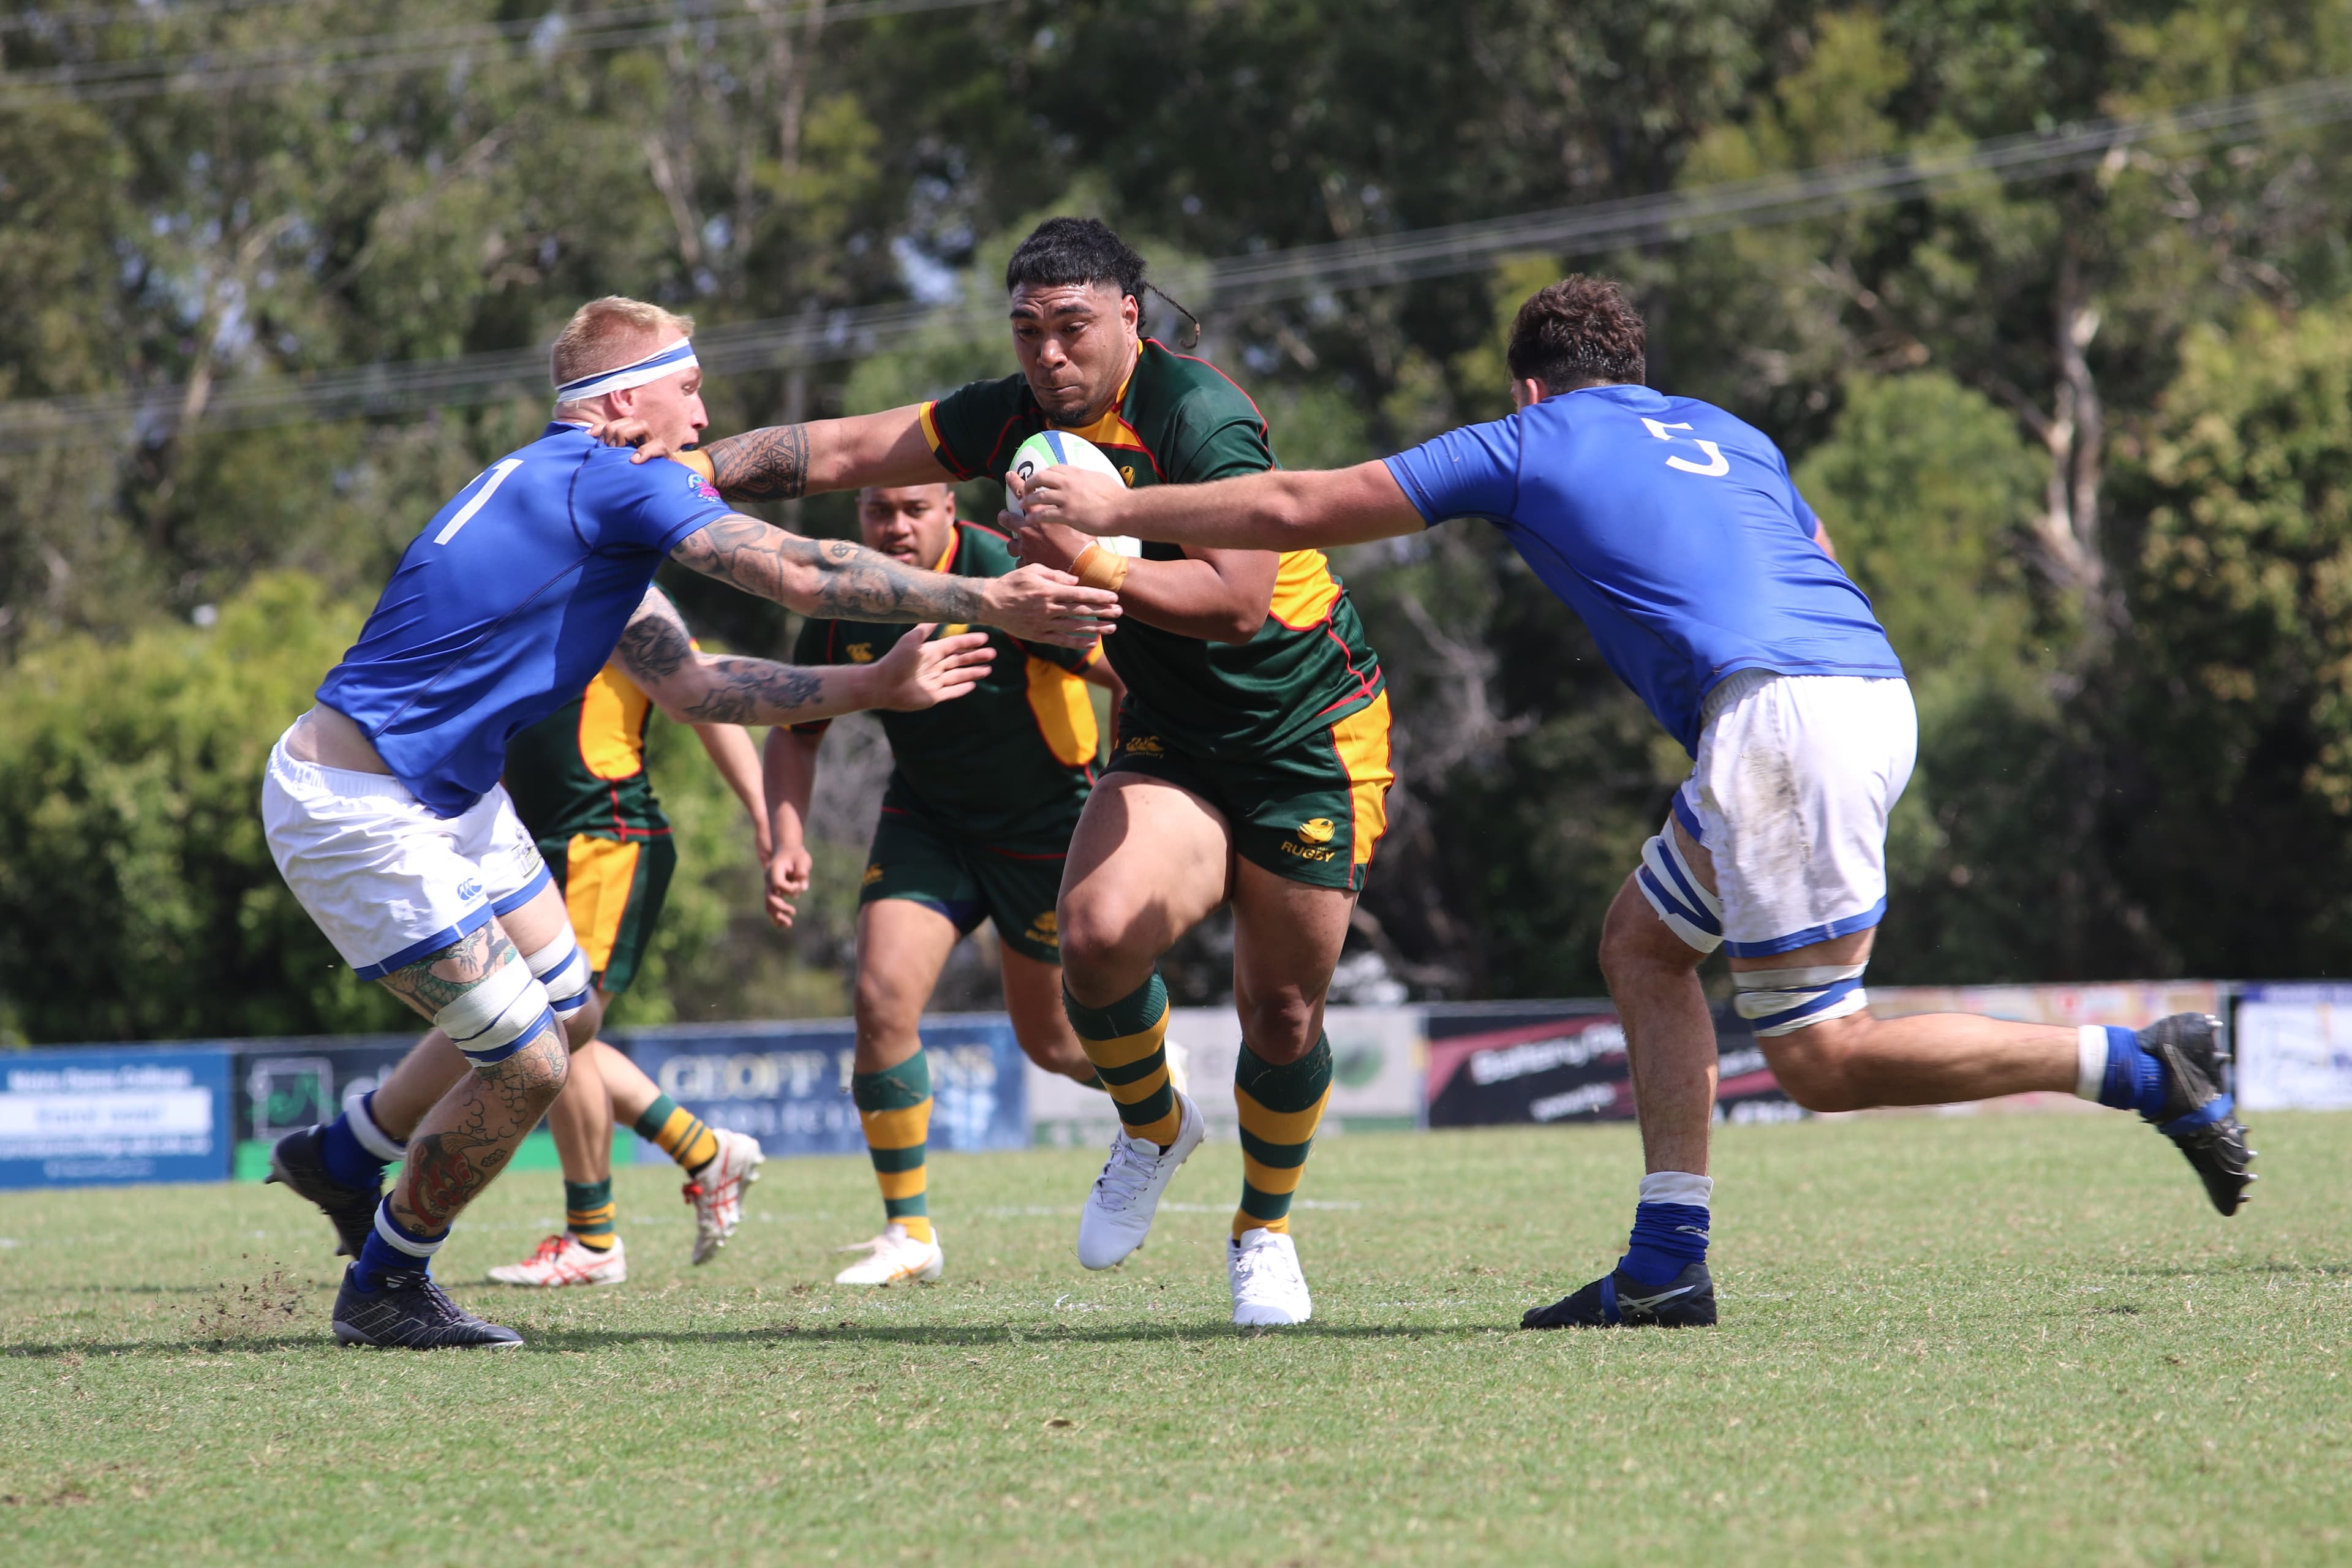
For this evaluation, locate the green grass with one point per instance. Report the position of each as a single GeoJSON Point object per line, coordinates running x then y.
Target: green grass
{"type": "Point", "coordinates": [2020, 1340]}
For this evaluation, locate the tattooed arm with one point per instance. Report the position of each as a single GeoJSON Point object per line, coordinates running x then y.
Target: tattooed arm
{"type": "Point", "coordinates": [696, 688]}
{"type": "Point", "coordinates": [839, 580]}
{"type": "Point", "coordinates": [784, 461]}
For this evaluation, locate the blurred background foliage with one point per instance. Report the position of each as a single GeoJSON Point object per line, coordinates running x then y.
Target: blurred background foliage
{"type": "Point", "coordinates": [2086, 439]}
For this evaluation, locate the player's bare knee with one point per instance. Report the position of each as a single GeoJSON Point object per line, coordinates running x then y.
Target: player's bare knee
{"type": "Point", "coordinates": [1635, 943]}
{"type": "Point", "coordinates": [1279, 1028]}
{"type": "Point", "coordinates": [1095, 941]}
{"type": "Point", "coordinates": [1815, 1066]}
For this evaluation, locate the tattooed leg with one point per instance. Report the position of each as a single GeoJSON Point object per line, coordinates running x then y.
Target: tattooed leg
{"type": "Point", "coordinates": [470, 1134]}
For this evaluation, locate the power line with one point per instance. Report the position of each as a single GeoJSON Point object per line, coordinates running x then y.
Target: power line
{"type": "Point", "coordinates": [375, 390]}
{"type": "Point", "coordinates": [99, 17]}
{"type": "Point", "coordinates": [555, 33]}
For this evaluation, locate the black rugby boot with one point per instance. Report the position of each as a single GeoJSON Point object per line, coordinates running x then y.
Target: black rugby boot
{"type": "Point", "coordinates": [296, 1163]}
{"type": "Point", "coordinates": [411, 1313]}
{"type": "Point", "coordinates": [2199, 1113]}
{"type": "Point", "coordinates": [1617, 1299]}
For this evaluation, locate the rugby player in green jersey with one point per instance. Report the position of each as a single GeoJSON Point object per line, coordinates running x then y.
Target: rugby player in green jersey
{"type": "Point", "coordinates": [1253, 760]}
{"type": "Point", "coordinates": [975, 826]}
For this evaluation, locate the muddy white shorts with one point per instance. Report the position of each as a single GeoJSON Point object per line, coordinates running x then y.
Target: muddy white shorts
{"type": "Point", "coordinates": [1795, 777]}
{"type": "Point", "coordinates": [385, 880]}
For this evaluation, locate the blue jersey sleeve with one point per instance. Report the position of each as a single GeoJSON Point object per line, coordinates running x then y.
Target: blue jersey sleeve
{"type": "Point", "coordinates": [1470, 472]}
{"type": "Point", "coordinates": [651, 505]}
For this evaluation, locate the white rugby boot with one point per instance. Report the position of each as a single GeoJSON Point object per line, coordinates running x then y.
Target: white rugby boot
{"type": "Point", "coordinates": [717, 1191]}
{"type": "Point", "coordinates": [1126, 1196]}
{"type": "Point", "coordinates": [563, 1260]}
{"type": "Point", "coordinates": [894, 1258]}
{"type": "Point", "coordinates": [1180, 1066]}
{"type": "Point", "coordinates": [1269, 1289]}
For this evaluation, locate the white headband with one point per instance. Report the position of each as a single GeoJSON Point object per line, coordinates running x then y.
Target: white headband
{"type": "Point", "coordinates": [678, 356]}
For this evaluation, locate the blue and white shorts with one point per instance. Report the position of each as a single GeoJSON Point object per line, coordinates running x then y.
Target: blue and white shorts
{"type": "Point", "coordinates": [1795, 777]}
{"type": "Point", "coordinates": [387, 880]}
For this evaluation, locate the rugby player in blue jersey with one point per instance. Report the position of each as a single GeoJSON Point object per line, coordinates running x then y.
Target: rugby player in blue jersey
{"type": "Point", "coordinates": [1674, 530]}
{"type": "Point", "coordinates": [383, 807]}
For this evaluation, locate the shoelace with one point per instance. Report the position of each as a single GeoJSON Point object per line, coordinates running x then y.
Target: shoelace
{"type": "Point", "coordinates": [436, 1306]}
{"type": "Point", "coordinates": [548, 1249]}
{"type": "Point", "coordinates": [1129, 1170]}
{"type": "Point", "coordinates": [1254, 1265]}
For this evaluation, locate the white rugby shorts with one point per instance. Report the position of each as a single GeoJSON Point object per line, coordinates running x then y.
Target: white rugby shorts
{"type": "Point", "coordinates": [1795, 777]}
{"type": "Point", "coordinates": [385, 880]}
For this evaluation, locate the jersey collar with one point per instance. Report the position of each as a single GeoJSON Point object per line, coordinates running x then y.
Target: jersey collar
{"type": "Point", "coordinates": [948, 553]}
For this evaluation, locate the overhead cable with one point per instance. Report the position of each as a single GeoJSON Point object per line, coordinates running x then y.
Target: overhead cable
{"type": "Point", "coordinates": [1303, 272]}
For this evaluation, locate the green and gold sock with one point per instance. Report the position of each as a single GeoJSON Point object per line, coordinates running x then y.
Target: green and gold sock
{"type": "Point", "coordinates": [682, 1135]}
{"type": "Point", "coordinates": [588, 1210]}
{"type": "Point", "coordinates": [894, 1106]}
{"type": "Point", "coordinates": [1280, 1107]}
{"type": "Point", "coordinates": [1125, 1041]}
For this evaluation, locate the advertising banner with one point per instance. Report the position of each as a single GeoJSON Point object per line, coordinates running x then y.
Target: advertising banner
{"type": "Point", "coordinates": [788, 1084]}
{"type": "Point", "coordinates": [82, 1117]}
{"type": "Point", "coordinates": [2294, 1048]}
{"type": "Point", "coordinates": [1376, 1068]}
{"type": "Point", "coordinates": [1565, 1061]}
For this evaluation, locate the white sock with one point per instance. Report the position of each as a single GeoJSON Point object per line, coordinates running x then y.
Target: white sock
{"type": "Point", "coordinates": [2091, 1072]}
{"type": "Point", "coordinates": [1678, 1187]}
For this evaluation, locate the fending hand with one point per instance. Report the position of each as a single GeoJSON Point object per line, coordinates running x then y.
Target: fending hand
{"type": "Point", "coordinates": [919, 673]}
{"type": "Point", "coordinates": [789, 870]}
{"type": "Point", "coordinates": [1073, 498]}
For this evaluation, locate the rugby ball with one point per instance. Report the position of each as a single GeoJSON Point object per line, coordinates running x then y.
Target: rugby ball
{"type": "Point", "coordinates": [1060, 450]}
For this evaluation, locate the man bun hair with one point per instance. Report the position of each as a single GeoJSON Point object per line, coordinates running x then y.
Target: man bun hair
{"type": "Point", "coordinates": [607, 334]}
{"type": "Point", "coordinates": [1579, 331]}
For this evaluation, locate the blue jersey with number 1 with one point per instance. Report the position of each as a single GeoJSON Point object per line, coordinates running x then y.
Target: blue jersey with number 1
{"type": "Point", "coordinates": [1672, 527]}
{"type": "Point", "coordinates": [508, 605]}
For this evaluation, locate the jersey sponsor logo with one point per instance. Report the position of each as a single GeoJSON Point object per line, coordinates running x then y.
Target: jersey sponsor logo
{"type": "Point", "coordinates": [861, 653]}
{"type": "Point", "coordinates": [1316, 830]}
{"type": "Point", "coordinates": [1142, 746]}
{"type": "Point", "coordinates": [873, 875]}
{"type": "Point", "coordinates": [1312, 841]}
{"type": "Point", "coordinates": [1126, 472]}
{"type": "Point", "coordinates": [699, 487]}
{"type": "Point", "coordinates": [1045, 931]}
{"type": "Point", "coordinates": [470, 889]}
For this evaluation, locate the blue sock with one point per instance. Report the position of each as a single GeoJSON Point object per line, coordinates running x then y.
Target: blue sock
{"type": "Point", "coordinates": [2135, 1080]}
{"type": "Point", "coordinates": [1668, 1238]}
{"type": "Point", "coordinates": [346, 1158]}
{"type": "Point", "coordinates": [379, 1258]}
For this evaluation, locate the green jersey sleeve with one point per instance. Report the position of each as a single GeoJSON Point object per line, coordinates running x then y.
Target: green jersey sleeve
{"type": "Point", "coordinates": [966, 427]}
{"type": "Point", "coordinates": [1216, 437]}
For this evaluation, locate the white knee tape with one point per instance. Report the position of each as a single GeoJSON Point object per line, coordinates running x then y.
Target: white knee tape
{"type": "Point", "coordinates": [493, 1019]}
{"type": "Point", "coordinates": [1782, 1001]}
{"type": "Point", "coordinates": [1666, 879]}
{"type": "Point", "coordinates": [563, 968]}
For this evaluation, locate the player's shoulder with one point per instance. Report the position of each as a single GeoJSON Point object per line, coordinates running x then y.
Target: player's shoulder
{"type": "Point", "coordinates": [1003, 395]}
{"type": "Point", "coordinates": [1189, 385]}
{"type": "Point", "coordinates": [981, 551]}
{"type": "Point", "coordinates": [613, 472]}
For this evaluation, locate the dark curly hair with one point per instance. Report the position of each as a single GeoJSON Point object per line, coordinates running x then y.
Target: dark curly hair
{"type": "Point", "coordinates": [1580, 332]}
{"type": "Point", "coordinates": [1063, 251]}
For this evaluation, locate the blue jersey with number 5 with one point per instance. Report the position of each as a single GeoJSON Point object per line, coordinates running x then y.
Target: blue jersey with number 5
{"type": "Point", "coordinates": [508, 605]}
{"type": "Point", "coordinates": [1671, 528]}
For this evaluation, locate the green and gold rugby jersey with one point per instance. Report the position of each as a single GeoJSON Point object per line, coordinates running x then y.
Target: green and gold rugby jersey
{"type": "Point", "coordinates": [1010, 760]}
{"type": "Point", "coordinates": [1178, 421]}
{"type": "Point", "coordinates": [581, 769]}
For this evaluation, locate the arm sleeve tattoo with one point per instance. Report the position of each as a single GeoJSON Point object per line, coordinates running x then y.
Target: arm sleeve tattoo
{"type": "Point", "coordinates": [654, 649]}
{"type": "Point", "coordinates": [762, 465]}
{"type": "Point", "coordinates": [654, 646]}
{"type": "Point", "coordinates": [850, 583]}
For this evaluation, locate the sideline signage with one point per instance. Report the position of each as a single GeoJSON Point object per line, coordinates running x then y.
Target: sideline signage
{"type": "Point", "coordinates": [97, 1117]}
{"type": "Point", "coordinates": [788, 1084]}
{"type": "Point", "coordinates": [2294, 1045]}
{"type": "Point", "coordinates": [1552, 1062]}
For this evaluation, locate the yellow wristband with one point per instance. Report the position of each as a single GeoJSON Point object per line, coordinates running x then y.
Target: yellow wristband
{"type": "Point", "coordinates": [1098, 566]}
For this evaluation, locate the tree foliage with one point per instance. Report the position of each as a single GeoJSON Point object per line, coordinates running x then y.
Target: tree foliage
{"type": "Point", "coordinates": [2080, 436]}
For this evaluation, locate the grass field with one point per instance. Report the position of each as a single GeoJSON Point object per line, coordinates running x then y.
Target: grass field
{"type": "Point", "coordinates": [2021, 1340]}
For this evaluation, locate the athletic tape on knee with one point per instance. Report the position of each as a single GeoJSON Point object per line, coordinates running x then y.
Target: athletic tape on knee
{"type": "Point", "coordinates": [360, 1117]}
{"type": "Point", "coordinates": [1782, 1000]}
{"type": "Point", "coordinates": [563, 968]}
{"type": "Point", "coordinates": [493, 1019]}
{"type": "Point", "coordinates": [1666, 879]}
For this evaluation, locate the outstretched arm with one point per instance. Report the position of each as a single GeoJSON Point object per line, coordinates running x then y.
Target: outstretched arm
{"type": "Point", "coordinates": [737, 762]}
{"type": "Point", "coordinates": [835, 580]}
{"type": "Point", "coordinates": [696, 688]}
{"type": "Point", "coordinates": [1279, 509]}
{"type": "Point", "coordinates": [783, 462]}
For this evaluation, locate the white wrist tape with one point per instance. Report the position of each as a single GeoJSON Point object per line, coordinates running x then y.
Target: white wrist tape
{"type": "Point", "coordinates": [494, 1017]}
{"type": "Point", "coordinates": [563, 968]}
{"type": "Point", "coordinates": [1782, 1001]}
{"type": "Point", "coordinates": [2090, 1060]}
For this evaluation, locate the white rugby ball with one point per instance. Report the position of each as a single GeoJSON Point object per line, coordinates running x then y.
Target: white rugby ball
{"type": "Point", "coordinates": [1060, 450]}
